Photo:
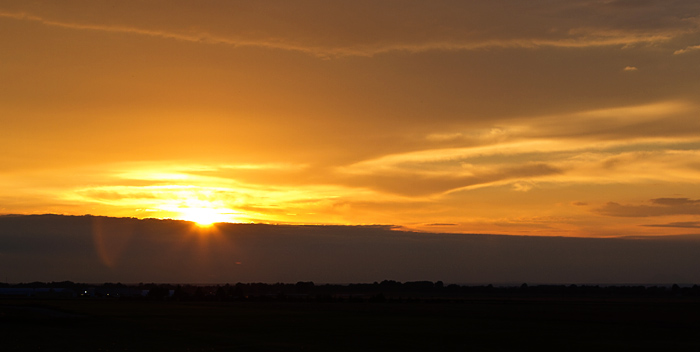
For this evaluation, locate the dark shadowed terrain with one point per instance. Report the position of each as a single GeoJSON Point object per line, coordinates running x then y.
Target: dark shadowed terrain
{"type": "Point", "coordinates": [403, 315]}
{"type": "Point", "coordinates": [478, 324]}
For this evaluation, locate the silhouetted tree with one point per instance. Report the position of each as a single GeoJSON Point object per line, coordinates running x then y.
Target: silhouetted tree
{"type": "Point", "coordinates": [221, 293]}
{"type": "Point", "coordinates": [158, 292]}
{"type": "Point", "coordinates": [304, 286]}
{"type": "Point", "coordinates": [199, 293]}
{"type": "Point", "coordinates": [179, 293]}
{"type": "Point", "coordinates": [378, 298]}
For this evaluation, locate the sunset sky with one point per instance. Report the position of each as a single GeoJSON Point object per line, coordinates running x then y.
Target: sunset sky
{"type": "Point", "coordinates": [548, 118]}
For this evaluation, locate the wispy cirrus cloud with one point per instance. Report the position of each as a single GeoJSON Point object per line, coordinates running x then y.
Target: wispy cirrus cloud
{"type": "Point", "coordinates": [687, 49]}
{"type": "Point", "coordinates": [593, 166]}
{"type": "Point", "coordinates": [436, 183]}
{"type": "Point", "coordinates": [434, 26]}
{"type": "Point", "coordinates": [194, 37]}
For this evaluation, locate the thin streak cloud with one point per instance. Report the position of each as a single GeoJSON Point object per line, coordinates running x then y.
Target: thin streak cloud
{"type": "Point", "coordinates": [687, 49]}
{"type": "Point", "coordinates": [577, 37]}
{"type": "Point", "coordinates": [194, 37]}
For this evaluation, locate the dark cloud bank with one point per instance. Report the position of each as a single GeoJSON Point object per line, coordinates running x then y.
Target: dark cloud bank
{"type": "Point", "coordinates": [101, 249]}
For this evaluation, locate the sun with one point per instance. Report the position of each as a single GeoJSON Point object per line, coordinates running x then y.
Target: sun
{"type": "Point", "coordinates": [198, 206]}
{"type": "Point", "coordinates": [204, 217]}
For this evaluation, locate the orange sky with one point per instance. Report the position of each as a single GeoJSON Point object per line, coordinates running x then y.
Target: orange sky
{"type": "Point", "coordinates": [566, 118]}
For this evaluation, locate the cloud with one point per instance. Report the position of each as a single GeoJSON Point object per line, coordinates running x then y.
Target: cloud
{"type": "Point", "coordinates": [426, 184]}
{"type": "Point", "coordinates": [418, 160]}
{"type": "Point", "coordinates": [584, 157]}
{"type": "Point", "coordinates": [642, 120]}
{"type": "Point", "coordinates": [522, 186]}
{"type": "Point", "coordinates": [333, 30]}
{"type": "Point", "coordinates": [675, 201]}
{"type": "Point", "coordinates": [682, 224]}
{"type": "Point", "coordinates": [660, 207]}
{"type": "Point", "coordinates": [687, 49]}
{"type": "Point", "coordinates": [196, 37]}
{"type": "Point", "coordinates": [662, 121]}
{"type": "Point", "coordinates": [630, 68]}
{"type": "Point", "coordinates": [82, 249]}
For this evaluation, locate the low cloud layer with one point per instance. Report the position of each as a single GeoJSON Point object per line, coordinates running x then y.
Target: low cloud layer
{"type": "Point", "coordinates": [100, 249]}
{"type": "Point", "coordinates": [658, 207]}
{"type": "Point", "coordinates": [683, 225]}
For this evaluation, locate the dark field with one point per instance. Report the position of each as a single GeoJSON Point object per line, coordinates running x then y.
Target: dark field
{"type": "Point", "coordinates": [486, 324]}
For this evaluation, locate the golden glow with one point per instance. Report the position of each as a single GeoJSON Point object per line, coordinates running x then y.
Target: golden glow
{"type": "Point", "coordinates": [204, 216]}
{"type": "Point", "coordinates": [202, 212]}
{"type": "Point", "coordinates": [559, 131]}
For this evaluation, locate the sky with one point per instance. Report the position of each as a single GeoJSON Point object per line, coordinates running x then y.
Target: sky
{"type": "Point", "coordinates": [540, 118]}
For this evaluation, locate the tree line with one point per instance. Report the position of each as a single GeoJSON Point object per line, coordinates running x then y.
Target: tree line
{"type": "Point", "coordinates": [387, 290]}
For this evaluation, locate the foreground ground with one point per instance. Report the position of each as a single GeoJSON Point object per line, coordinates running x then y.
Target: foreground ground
{"type": "Point", "coordinates": [477, 324]}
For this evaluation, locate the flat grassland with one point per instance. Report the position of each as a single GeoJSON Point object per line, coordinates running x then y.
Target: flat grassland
{"type": "Point", "coordinates": [468, 325]}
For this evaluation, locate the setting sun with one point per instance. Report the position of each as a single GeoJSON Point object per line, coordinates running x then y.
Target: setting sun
{"type": "Point", "coordinates": [204, 216]}
{"type": "Point", "coordinates": [202, 212]}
